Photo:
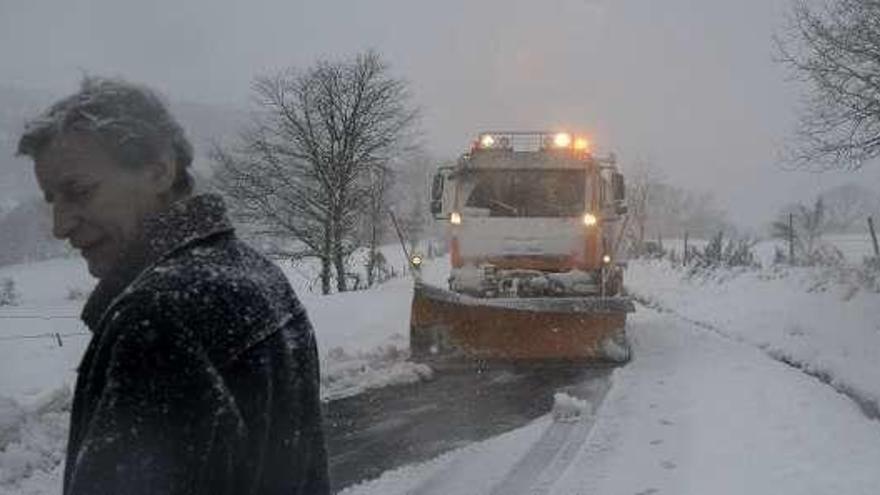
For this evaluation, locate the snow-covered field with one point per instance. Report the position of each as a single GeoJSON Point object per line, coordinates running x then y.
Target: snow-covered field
{"type": "Point", "coordinates": [735, 388]}
{"type": "Point", "coordinates": [362, 338]}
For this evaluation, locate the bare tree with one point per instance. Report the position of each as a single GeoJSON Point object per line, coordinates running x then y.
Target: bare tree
{"type": "Point", "coordinates": [403, 188]}
{"type": "Point", "coordinates": [375, 222]}
{"type": "Point", "coordinates": [675, 210]}
{"type": "Point", "coordinates": [413, 207]}
{"type": "Point", "coordinates": [834, 47]}
{"type": "Point", "coordinates": [307, 168]}
{"type": "Point", "coordinates": [641, 181]}
{"type": "Point", "coordinates": [657, 207]}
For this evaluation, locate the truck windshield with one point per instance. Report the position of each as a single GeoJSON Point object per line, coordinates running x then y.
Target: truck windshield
{"type": "Point", "coordinates": [529, 193]}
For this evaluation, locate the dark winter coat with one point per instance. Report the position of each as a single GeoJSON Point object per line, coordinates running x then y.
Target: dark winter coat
{"type": "Point", "coordinates": [202, 374]}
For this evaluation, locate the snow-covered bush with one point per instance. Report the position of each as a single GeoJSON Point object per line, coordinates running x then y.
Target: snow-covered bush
{"type": "Point", "coordinates": [802, 228]}
{"type": "Point", "coordinates": [851, 278]}
{"type": "Point", "coordinates": [737, 253]}
{"type": "Point", "coordinates": [76, 294]}
{"type": "Point", "coordinates": [652, 249]}
{"type": "Point", "coordinates": [869, 274]}
{"type": "Point", "coordinates": [9, 296]}
{"type": "Point", "coordinates": [825, 255]}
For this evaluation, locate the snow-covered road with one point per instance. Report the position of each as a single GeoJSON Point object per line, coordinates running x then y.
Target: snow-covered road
{"type": "Point", "coordinates": [692, 413]}
{"type": "Point", "coordinates": [385, 428]}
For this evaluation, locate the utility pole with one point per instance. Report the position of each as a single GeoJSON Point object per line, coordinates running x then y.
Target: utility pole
{"type": "Point", "coordinates": [791, 238]}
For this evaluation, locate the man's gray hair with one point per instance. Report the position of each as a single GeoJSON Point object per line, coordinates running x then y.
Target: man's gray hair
{"type": "Point", "coordinates": [130, 121]}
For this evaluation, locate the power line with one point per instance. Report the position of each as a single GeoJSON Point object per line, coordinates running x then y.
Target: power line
{"type": "Point", "coordinates": [42, 335]}
{"type": "Point", "coordinates": [38, 317]}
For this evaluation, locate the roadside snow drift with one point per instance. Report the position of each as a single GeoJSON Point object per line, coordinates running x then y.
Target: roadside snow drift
{"type": "Point", "coordinates": [802, 316]}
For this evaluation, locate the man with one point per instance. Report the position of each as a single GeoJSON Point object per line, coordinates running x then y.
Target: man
{"type": "Point", "coordinates": [202, 372]}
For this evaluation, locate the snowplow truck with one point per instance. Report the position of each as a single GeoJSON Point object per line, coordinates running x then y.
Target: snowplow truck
{"type": "Point", "coordinates": [534, 222]}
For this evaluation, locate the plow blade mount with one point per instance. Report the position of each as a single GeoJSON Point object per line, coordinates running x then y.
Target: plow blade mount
{"type": "Point", "coordinates": [446, 324]}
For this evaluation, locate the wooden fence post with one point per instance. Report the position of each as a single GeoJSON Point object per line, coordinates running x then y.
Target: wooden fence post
{"type": "Point", "coordinates": [684, 258]}
{"type": "Point", "coordinates": [873, 236]}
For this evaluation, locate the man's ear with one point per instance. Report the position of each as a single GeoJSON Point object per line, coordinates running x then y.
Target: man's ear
{"type": "Point", "coordinates": [161, 174]}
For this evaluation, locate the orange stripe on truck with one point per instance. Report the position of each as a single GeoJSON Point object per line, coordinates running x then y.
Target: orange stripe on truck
{"type": "Point", "coordinates": [455, 256]}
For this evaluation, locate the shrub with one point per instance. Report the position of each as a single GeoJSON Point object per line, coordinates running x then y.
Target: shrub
{"type": "Point", "coordinates": [721, 254]}
{"type": "Point", "coordinates": [869, 274]}
{"type": "Point", "coordinates": [76, 294]}
{"type": "Point", "coordinates": [9, 296]}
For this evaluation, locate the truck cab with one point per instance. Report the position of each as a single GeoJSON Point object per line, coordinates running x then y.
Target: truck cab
{"type": "Point", "coordinates": [532, 214]}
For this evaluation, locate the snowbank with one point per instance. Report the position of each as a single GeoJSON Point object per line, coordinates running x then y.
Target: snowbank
{"type": "Point", "coordinates": [696, 413]}
{"type": "Point", "coordinates": [32, 438]}
{"type": "Point", "coordinates": [345, 374]}
{"type": "Point", "coordinates": [798, 315]}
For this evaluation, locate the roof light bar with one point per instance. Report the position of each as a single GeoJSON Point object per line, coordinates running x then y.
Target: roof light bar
{"type": "Point", "coordinates": [562, 140]}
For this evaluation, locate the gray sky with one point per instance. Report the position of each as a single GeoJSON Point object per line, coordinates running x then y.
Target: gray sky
{"type": "Point", "coordinates": [689, 85]}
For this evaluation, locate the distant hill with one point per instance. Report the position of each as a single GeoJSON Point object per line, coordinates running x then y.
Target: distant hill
{"type": "Point", "coordinates": [203, 123]}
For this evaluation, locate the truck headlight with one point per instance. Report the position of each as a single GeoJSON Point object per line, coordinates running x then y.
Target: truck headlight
{"type": "Point", "coordinates": [455, 218]}
{"type": "Point", "coordinates": [590, 219]}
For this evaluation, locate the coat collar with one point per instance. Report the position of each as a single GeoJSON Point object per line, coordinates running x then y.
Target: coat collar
{"type": "Point", "coordinates": [184, 222]}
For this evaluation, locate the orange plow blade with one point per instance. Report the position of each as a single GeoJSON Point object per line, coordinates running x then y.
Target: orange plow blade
{"type": "Point", "coordinates": [446, 324]}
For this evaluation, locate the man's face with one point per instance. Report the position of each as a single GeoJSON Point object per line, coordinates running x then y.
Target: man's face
{"type": "Point", "coordinates": [97, 203]}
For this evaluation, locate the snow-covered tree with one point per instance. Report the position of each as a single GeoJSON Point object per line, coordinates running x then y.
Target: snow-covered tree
{"type": "Point", "coordinates": [834, 48]}
{"type": "Point", "coordinates": [307, 169]}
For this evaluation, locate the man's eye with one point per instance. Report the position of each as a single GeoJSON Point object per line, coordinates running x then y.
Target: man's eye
{"type": "Point", "coordinates": [80, 192]}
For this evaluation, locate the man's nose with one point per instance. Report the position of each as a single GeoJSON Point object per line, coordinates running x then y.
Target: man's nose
{"type": "Point", "coordinates": [63, 222]}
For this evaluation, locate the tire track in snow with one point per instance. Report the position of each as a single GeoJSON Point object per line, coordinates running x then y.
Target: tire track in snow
{"type": "Point", "coordinates": [869, 407]}
{"type": "Point", "coordinates": [546, 460]}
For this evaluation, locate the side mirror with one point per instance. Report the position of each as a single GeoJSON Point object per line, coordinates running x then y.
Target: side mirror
{"type": "Point", "coordinates": [618, 187]}
{"type": "Point", "coordinates": [437, 186]}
